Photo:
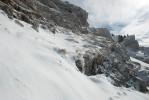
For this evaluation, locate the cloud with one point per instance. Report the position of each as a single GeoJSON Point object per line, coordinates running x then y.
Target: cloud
{"type": "Point", "coordinates": [139, 27]}
{"type": "Point", "coordinates": [110, 11]}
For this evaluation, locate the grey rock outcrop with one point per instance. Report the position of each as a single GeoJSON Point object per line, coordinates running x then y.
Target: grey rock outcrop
{"type": "Point", "coordinates": [141, 80]}
{"type": "Point", "coordinates": [145, 58]}
{"type": "Point", "coordinates": [104, 32]}
{"type": "Point", "coordinates": [114, 62]}
{"type": "Point", "coordinates": [131, 43]}
{"type": "Point", "coordinates": [133, 48]}
{"type": "Point", "coordinates": [146, 51]}
{"type": "Point", "coordinates": [66, 15]}
{"type": "Point", "coordinates": [46, 12]}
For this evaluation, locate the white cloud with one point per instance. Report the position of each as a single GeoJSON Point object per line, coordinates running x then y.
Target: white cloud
{"type": "Point", "coordinates": [111, 11]}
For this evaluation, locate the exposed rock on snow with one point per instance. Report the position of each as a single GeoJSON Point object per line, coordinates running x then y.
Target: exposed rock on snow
{"type": "Point", "coordinates": [113, 61]}
{"type": "Point", "coordinates": [133, 48]}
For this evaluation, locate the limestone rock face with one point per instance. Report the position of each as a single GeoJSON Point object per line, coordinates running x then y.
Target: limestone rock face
{"type": "Point", "coordinates": [68, 15]}
{"type": "Point", "coordinates": [131, 43]}
{"type": "Point", "coordinates": [114, 62]}
{"type": "Point", "coordinates": [104, 32]}
{"type": "Point", "coordinates": [142, 80]}
{"type": "Point", "coordinates": [146, 54]}
{"type": "Point", "coordinates": [146, 51]}
{"type": "Point", "coordinates": [46, 12]}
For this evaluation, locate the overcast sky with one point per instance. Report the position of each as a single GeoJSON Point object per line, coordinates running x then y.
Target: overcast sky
{"type": "Point", "coordinates": [111, 11]}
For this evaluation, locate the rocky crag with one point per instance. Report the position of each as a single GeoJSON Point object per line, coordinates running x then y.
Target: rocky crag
{"type": "Point", "coordinates": [133, 47]}
{"type": "Point", "coordinates": [110, 59]}
{"type": "Point", "coordinates": [48, 13]}
{"type": "Point", "coordinates": [113, 61]}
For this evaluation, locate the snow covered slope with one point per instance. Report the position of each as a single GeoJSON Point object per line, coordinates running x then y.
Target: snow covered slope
{"type": "Point", "coordinates": [34, 66]}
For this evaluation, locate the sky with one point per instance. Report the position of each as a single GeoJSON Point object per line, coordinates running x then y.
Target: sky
{"type": "Point", "coordinates": [119, 16]}
{"type": "Point", "coordinates": [111, 11]}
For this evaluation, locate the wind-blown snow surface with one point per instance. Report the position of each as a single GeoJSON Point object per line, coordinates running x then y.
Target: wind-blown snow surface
{"type": "Point", "coordinates": [31, 68]}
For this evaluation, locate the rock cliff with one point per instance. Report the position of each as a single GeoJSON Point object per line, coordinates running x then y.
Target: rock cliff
{"type": "Point", "coordinates": [47, 13]}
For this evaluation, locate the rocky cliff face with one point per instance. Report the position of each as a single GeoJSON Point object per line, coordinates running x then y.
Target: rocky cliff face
{"type": "Point", "coordinates": [130, 42]}
{"type": "Point", "coordinates": [133, 48]}
{"type": "Point", "coordinates": [46, 12]}
{"type": "Point", "coordinates": [113, 61]}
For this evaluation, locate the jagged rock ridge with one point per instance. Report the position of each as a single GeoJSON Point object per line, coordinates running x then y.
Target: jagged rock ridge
{"type": "Point", "coordinates": [46, 12]}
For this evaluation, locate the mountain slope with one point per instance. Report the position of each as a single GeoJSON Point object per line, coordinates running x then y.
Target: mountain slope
{"type": "Point", "coordinates": [33, 66]}
{"type": "Point", "coordinates": [31, 70]}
